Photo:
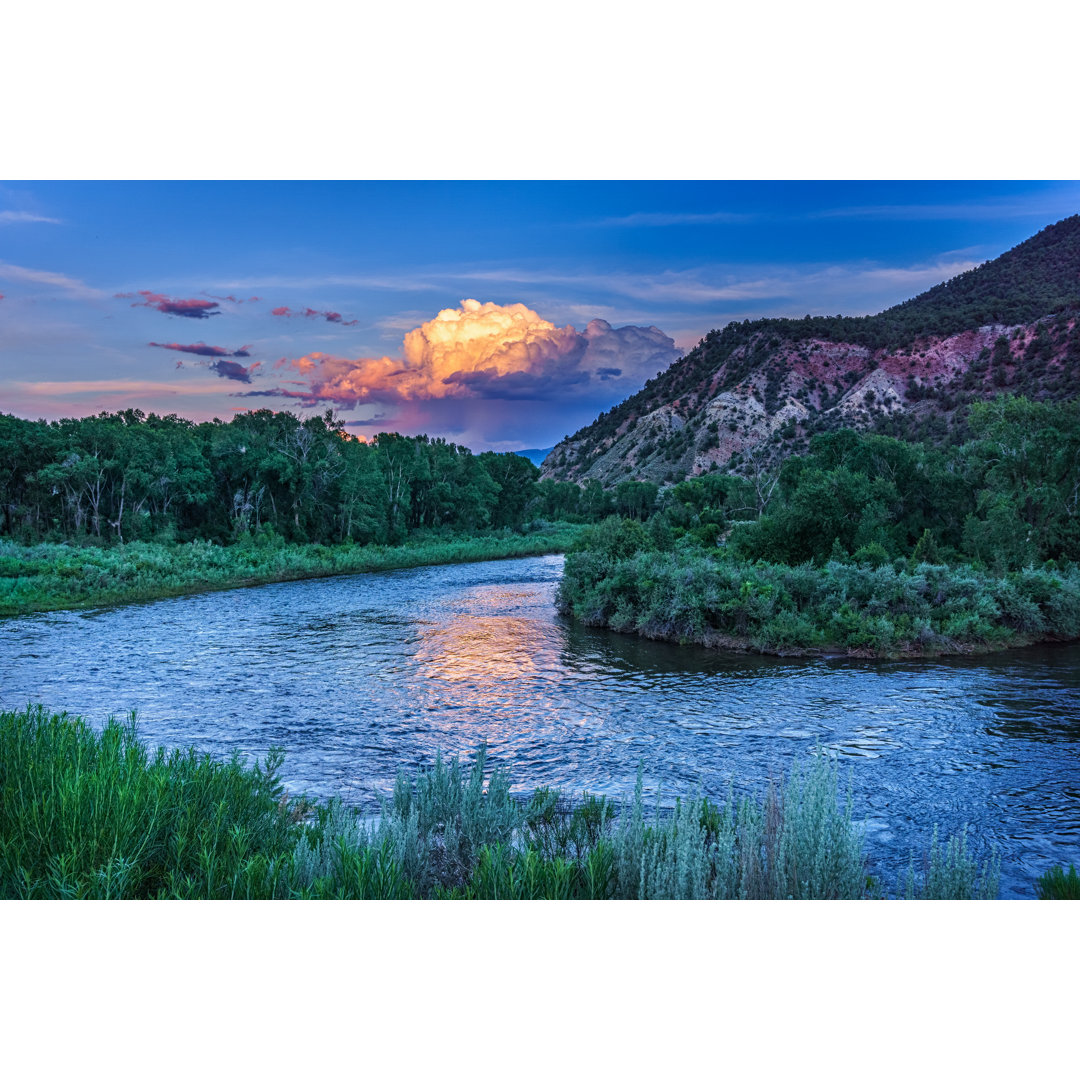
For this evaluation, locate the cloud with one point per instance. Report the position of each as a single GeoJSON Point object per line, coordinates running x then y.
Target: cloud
{"type": "Point", "coordinates": [24, 217]}
{"type": "Point", "coordinates": [404, 320]}
{"type": "Point", "coordinates": [858, 287]}
{"type": "Point", "coordinates": [1038, 205]}
{"type": "Point", "coordinates": [402, 283]}
{"type": "Point", "coordinates": [230, 369]}
{"type": "Point", "coordinates": [705, 285]}
{"type": "Point", "coordinates": [224, 368]}
{"type": "Point", "coordinates": [275, 391]}
{"type": "Point", "coordinates": [486, 351]}
{"type": "Point", "coordinates": [98, 386]}
{"type": "Point", "coordinates": [235, 299]}
{"type": "Point", "coordinates": [11, 272]}
{"type": "Point", "coordinates": [188, 309]}
{"type": "Point", "coordinates": [661, 220]}
{"type": "Point", "coordinates": [200, 349]}
{"type": "Point", "coordinates": [311, 313]}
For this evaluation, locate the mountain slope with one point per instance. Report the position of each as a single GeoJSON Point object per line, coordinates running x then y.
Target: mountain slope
{"type": "Point", "coordinates": [755, 390]}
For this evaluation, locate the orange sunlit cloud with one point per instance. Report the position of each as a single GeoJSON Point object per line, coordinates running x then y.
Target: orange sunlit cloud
{"type": "Point", "coordinates": [485, 350]}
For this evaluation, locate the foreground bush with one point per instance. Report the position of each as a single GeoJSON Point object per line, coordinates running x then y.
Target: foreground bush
{"type": "Point", "coordinates": [87, 814]}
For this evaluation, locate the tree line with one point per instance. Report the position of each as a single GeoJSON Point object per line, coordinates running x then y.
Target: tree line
{"type": "Point", "coordinates": [128, 475]}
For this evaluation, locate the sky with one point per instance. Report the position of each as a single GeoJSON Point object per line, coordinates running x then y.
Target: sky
{"type": "Point", "coordinates": [497, 315]}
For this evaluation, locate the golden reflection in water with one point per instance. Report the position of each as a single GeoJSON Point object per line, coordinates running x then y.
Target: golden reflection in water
{"type": "Point", "coordinates": [484, 651]}
{"type": "Point", "coordinates": [480, 649]}
{"type": "Point", "coordinates": [474, 658]}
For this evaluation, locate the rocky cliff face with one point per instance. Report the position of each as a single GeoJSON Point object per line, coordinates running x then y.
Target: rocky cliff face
{"type": "Point", "coordinates": [755, 392]}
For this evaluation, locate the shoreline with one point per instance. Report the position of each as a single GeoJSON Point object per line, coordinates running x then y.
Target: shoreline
{"type": "Point", "coordinates": [745, 645]}
{"type": "Point", "coordinates": [62, 566]}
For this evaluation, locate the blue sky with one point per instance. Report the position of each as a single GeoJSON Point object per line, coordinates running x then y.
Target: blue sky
{"type": "Point", "coordinates": [94, 278]}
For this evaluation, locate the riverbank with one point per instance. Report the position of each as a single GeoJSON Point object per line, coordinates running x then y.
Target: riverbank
{"type": "Point", "coordinates": [94, 815]}
{"type": "Point", "coordinates": [53, 577]}
{"type": "Point", "coordinates": [892, 610]}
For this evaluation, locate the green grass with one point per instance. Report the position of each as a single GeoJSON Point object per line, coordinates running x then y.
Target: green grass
{"type": "Point", "coordinates": [50, 577]}
{"type": "Point", "coordinates": [93, 814]}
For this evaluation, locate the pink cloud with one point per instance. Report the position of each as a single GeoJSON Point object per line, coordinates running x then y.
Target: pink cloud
{"type": "Point", "coordinates": [188, 309]}
{"type": "Point", "coordinates": [311, 313]}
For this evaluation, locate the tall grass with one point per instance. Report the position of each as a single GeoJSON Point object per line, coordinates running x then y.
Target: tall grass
{"type": "Point", "coordinates": [1056, 884]}
{"type": "Point", "coordinates": [48, 577]}
{"type": "Point", "coordinates": [93, 814]}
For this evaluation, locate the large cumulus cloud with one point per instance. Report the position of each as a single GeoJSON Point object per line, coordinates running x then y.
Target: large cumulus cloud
{"type": "Point", "coordinates": [490, 351]}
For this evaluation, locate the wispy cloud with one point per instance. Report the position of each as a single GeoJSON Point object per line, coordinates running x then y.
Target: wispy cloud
{"type": "Point", "coordinates": [689, 286]}
{"type": "Point", "coordinates": [991, 210]}
{"type": "Point", "coordinates": [11, 272]}
{"type": "Point", "coordinates": [201, 349]}
{"type": "Point", "coordinates": [24, 217]}
{"type": "Point", "coordinates": [235, 299]}
{"type": "Point", "coordinates": [131, 386]}
{"type": "Point", "coordinates": [661, 219]}
{"type": "Point", "coordinates": [402, 321]}
{"type": "Point", "coordinates": [644, 296]}
{"type": "Point", "coordinates": [422, 282]}
{"type": "Point", "coordinates": [1038, 204]}
{"type": "Point", "coordinates": [720, 285]}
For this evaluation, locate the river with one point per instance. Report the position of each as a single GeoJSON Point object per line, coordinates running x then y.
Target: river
{"type": "Point", "coordinates": [358, 676]}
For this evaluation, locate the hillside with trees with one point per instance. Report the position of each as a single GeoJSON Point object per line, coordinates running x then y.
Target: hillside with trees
{"type": "Point", "coordinates": [868, 545]}
{"type": "Point", "coordinates": [755, 392]}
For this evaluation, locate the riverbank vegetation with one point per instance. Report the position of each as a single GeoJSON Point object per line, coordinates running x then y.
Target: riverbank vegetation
{"type": "Point", "coordinates": [862, 609]}
{"type": "Point", "coordinates": [866, 544]}
{"type": "Point", "coordinates": [94, 814]}
{"type": "Point", "coordinates": [125, 506]}
{"type": "Point", "coordinates": [50, 577]}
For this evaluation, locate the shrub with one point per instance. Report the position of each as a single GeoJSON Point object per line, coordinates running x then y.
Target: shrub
{"type": "Point", "coordinates": [949, 872]}
{"type": "Point", "coordinates": [693, 594]}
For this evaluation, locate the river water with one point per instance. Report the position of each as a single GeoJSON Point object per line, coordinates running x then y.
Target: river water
{"type": "Point", "coordinates": [358, 676]}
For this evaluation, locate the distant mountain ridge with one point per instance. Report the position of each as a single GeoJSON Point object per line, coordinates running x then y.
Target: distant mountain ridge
{"type": "Point", "coordinates": [535, 456]}
{"type": "Point", "coordinates": [757, 390]}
